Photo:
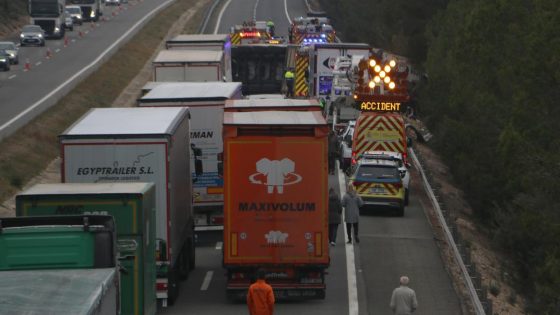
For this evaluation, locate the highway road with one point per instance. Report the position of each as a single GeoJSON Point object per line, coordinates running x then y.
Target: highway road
{"type": "Point", "coordinates": [361, 276]}
{"type": "Point", "coordinates": [24, 93]}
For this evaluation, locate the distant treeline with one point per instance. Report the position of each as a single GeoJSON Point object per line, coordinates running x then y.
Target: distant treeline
{"type": "Point", "coordinates": [492, 99]}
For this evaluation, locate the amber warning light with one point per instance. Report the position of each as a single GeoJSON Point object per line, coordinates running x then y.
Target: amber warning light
{"type": "Point", "coordinates": [370, 106]}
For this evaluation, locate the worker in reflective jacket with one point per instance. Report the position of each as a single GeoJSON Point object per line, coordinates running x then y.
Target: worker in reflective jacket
{"type": "Point", "coordinates": [289, 77]}
{"type": "Point", "coordinates": [260, 298]}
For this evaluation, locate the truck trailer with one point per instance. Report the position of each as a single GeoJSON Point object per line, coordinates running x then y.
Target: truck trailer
{"type": "Point", "coordinates": [272, 104]}
{"type": "Point", "coordinates": [275, 190]}
{"type": "Point", "coordinates": [58, 265]}
{"type": "Point", "coordinates": [141, 145]}
{"type": "Point", "coordinates": [190, 66]}
{"type": "Point", "coordinates": [132, 206]}
{"type": "Point", "coordinates": [205, 101]}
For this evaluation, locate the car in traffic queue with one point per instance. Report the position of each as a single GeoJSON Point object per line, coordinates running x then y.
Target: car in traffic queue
{"type": "Point", "coordinates": [12, 50]}
{"type": "Point", "coordinates": [68, 21]}
{"type": "Point", "coordinates": [32, 35]}
{"type": "Point", "coordinates": [392, 156]}
{"type": "Point", "coordinates": [112, 2]}
{"type": "Point", "coordinates": [76, 14]}
{"type": "Point", "coordinates": [4, 60]}
{"type": "Point", "coordinates": [379, 183]}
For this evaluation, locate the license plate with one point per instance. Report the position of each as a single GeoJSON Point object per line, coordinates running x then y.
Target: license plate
{"type": "Point", "coordinates": [377, 190]}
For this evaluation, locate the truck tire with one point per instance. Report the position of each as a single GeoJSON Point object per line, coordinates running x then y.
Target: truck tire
{"type": "Point", "coordinates": [192, 254]}
{"type": "Point", "coordinates": [400, 211]}
{"type": "Point", "coordinates": [173, 286]}
{"type": "Point", "coordinates": [183, 264]}
{"type": "Point", "coordinates": [406, 197]}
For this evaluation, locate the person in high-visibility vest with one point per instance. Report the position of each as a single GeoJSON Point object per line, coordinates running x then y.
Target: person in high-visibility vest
{"type": "Point", "coordinates": [289, 77]}
{"type": "Point", "coordinates": [270, 26]}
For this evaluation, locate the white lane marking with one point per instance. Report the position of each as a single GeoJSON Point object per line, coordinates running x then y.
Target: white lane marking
{"type": "Point", "coordinates": [73, 40]}
{"type": "Point", "coordinates": [219, 245]}
{"type": "Point", "coordinates": [206, 281]}
{"type": "Point", "coordinates": [38, 63]}
{"type": "Point", "coordinates": [57, 50]}
{"type": "Point", "coordinates": [350, 262]}
{"type": "Point", "coordinates": [86, 68]}
{"type": "Point", "coordinates": [87, 32]}
{"type": "Point", "coordinates": [286, 11]}
{"type": "Point", "coordinates": [255, 10]}
{"type": "Point", "coordinates": [220, 16]}
{"type": "Point", "coordinates": [12, 76]}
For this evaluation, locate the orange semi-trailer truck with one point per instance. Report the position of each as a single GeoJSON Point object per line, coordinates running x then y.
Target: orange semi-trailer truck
{"type": "Point", "coordinates": [276, 199]}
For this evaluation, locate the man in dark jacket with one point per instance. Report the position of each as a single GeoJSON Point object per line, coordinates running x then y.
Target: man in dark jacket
{"type": "Point", "coordinates": [335, 212]}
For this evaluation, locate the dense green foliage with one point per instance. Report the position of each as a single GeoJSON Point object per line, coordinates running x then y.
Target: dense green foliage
{"type": "Point", "coordinates": [12, 9]}
{"type": "Point", "coordinates": [492, 101]}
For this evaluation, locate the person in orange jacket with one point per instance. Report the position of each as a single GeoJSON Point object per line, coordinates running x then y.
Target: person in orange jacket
{"type": "Point", "coordinates": [260, 298]}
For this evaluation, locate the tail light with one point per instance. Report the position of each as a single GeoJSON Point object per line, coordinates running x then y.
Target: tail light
{"type": "Point", "coordinates": [161, 286]}
{"type": "Point", "coordinates": [237, 276]}
{"type": "Point", "coordinates": [312, 277]}
{"type": "Point", "coordinates": [405, 157]}
{"type": "Point", "coordinates": [354, 161]}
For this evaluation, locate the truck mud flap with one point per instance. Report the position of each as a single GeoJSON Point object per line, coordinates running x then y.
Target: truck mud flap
{"type": "Point", "coordinates": [239, 295]}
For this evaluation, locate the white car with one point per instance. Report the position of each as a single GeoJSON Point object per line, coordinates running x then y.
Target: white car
{"type": "Point", "coordinates": [393, 156]}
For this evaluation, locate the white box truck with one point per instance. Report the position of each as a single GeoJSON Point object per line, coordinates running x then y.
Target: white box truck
{"type": "Point", "coordinates": [321, 64]}
{"type": "Point", "coordinates": [190, 66]}
{"type": "Point", "coordinates": [215, 42]}
{"type": "Point", "coordinates": [141, 145]}
{"type": "Point", "coordinates": [206, 105]}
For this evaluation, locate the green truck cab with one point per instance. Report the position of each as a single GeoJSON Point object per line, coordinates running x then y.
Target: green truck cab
{"type": "Point", "coordinates": [133, 207]}
{"type": "Point", "coordinates": [58, 265]}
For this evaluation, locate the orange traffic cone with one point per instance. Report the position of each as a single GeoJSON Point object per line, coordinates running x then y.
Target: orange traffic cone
{"type": "Point", "coordinates": [65, 41]}
{"type": "Point", "coordinates": [92, 24]}
{"type": "Point", "coordinates": [27, 66]}
{"type": "Point", "coordinates": [81, 34]}
{"type": "Point", "coordinates": [49, 53]}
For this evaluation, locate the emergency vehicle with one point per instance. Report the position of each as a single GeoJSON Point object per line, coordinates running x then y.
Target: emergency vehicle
{"type": "Point", "coordinates": [311, 30]}
{"type": "Point", "coordinates": [250, 32]}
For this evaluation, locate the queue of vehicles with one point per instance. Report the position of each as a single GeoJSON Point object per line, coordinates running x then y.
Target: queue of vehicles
{"type": "Point", "coordinates": [195, 155]}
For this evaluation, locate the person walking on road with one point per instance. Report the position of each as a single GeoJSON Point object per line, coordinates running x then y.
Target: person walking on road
{"type": "Point", "coordinates": [352, 203]}
{"type": "Point", "coordinates": [335, 212]}
{"type": "Point", "coordinates": [403, 300]}
{"type": "Point", "coordinates": [289, 77]}
{"type": "Point", "coordinates": [260, 298]}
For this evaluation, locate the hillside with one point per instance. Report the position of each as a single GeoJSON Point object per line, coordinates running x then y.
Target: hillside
{"type": "Point", "coordinates": [13, 14]}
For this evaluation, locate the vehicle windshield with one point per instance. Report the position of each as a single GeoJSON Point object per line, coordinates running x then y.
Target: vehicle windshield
{"type": "Point", "coordinates": [31, 28]}
{"type": "Point", "coordinates": [43, 8]}
{"type": "Point", "coordinates": [82, 1]}
{"type": "Point", "coordinates": [376, 172]}
{"type": "Point", "coordinates": [8, 46]}
{"type": "Point", "coordinates": [74, 10]}
{"type": "Point", "coordinates": [384, 157]}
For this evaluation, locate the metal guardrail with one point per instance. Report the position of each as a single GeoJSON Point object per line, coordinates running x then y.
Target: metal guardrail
{"type": "Point", "coordinates": [471, 277]}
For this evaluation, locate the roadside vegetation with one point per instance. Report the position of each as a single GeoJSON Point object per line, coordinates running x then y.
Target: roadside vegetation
{"type": "Point", "coordinates": [13, 14]}
{"type": "Point", "coordinates": [33, 147]}
{"type": "Point", "coordinates": [491, 99]}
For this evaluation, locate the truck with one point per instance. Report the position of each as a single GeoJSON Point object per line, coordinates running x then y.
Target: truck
{"type": "Point", "coordinates": [311, 30]}
{"type": "Point", "coordinates": [216, 42]}
{"type": "Point", "coordinates": [259, 67]}
{"type": "Point", "coordinates": [275, 202]}
{"type": "Point", "coordinates": [190, 66]}
{"type": "Point", "coordinates": [91, 9]}
{"type": "Point", "coordinates": [132, 205]}
{"type": "Point", "coordinates": [205, 101]}
{"type": "Point", "coordinates": [49, 15]}
{"type": "Point", "coordinates": [58, 265]}
{"type": "Point", "coordinates": [141, 145]}
{"type": "Point", "coordinates": [272, 104]}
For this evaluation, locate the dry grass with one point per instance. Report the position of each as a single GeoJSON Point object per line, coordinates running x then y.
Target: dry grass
{"type": "Point", "coordinates": [26, 153]}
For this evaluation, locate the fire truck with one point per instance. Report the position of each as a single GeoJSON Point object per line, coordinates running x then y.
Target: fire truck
{"type": "Point", "coordinates": [250, 32]}
{"type": "Point", "coordinates": [311, 30]}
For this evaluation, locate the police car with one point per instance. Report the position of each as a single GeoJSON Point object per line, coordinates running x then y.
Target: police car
{"type": "Point", "coordinates": [379, 183]}
{"type": "Point", "coordinates": [393, 156]}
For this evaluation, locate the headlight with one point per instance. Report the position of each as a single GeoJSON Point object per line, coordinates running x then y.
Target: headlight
{"type": "Point", "coordinates": [92, 14]}
{"type": "Point", "coordinates": [79, 17]}
{"type": "Point", "coordinates": [56, 29]}
{"type": "Point", "coordinates": [40, 35]}
{"type": "Point", "coordinates": [21, 35]}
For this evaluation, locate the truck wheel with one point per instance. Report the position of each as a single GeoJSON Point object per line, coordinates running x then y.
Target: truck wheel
{"type": "Point", "coordinates": [173, 286]}
{"type": "Point", "coordinates": [400, 211]}
{"type": "Point", "coordinates": [406, 197]}
{"type": "Point", "coordinates": [192, 254]}
{"type": "Point", "coordinates": [183, 263]}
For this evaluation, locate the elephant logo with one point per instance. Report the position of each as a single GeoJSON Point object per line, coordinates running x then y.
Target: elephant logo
{"type": "Point", "coordinates": [276, 237]}
{"type": "Point", "coordinates": [276, 174]}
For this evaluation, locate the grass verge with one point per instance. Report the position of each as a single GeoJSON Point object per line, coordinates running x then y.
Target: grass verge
{"type": "Point", "coordinates": [28, 151]}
